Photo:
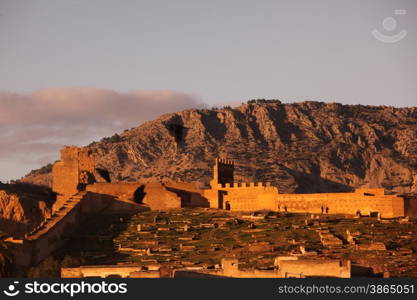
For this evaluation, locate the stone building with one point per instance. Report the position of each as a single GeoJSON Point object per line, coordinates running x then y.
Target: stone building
{"type": "Point", "coordinates": [284, 267]}
{"type": "Point", "coordinates": [227, 194]}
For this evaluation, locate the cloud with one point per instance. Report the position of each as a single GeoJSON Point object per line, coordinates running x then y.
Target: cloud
{"type": "Point", "coordinates": [34, 127]}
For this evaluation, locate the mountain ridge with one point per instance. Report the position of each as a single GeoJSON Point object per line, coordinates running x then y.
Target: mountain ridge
{"type": "Point", "coordinates": [298, 147]}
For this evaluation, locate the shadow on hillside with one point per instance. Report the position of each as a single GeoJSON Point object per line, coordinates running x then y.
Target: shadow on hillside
{"type": "Point", "coordinates": [93, 242]}
{"type": "Point", "coordinates": [26, 187]}
{"type": "Point", "coordinates": [313, 183]}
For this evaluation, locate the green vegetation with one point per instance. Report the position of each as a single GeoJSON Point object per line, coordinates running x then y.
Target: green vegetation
{"type": "Point", "coordinates": [115, 138]}
{"type": "Point", "coordinates": [263, 101]}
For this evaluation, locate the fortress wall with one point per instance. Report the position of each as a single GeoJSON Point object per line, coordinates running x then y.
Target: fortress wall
{"type": "Point", "coordinates": [225, 193]}
{"type": "Point", "coordinates": [122, 190]}
{"type": "Point", "coordinates": [197, 200]}
{"type": "Point", "coordinates": [243, 196]}
{"type": "Point", "coordinates": [119, 206]}
{"type": "Point", "coordinates": [259, 196]}
{"type": "Point", "coordinates": [247, 185]}
{"type": "Point", "coordinates": [251, 199]}
{"type": "Point", "coordinates": [342, 203]}
{"type": "Point", "coordinates": [93, 203]}
{"type": "Point", "coordinates": [157, 197]}
{"type": "Point", "coordinates": [53, 238]}
{"type": "Point", "coordinates": [109, 198]}
{"type": "Point", "coordinates": [190, 194]}
{"type": "Point", "coordinates": [212, 197]}
{"type": "Point", "coordinates": [190, 199]}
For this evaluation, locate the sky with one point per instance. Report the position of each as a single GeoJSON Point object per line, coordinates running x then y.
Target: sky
{"type": "Point", "coordinates": [73, 71]}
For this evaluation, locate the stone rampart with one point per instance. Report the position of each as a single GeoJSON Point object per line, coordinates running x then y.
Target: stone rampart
{"type": "Point", "coordinates": [363, 203]}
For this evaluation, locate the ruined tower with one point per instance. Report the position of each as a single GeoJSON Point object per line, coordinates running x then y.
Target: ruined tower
{"type": "Point", "coordinates": [223, 172]}
{"type": "Point", "coordinates": [72, 173]}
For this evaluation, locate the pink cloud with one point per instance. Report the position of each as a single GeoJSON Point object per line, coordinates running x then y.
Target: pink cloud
{"type": "Point", "coordinates": [33, 127]}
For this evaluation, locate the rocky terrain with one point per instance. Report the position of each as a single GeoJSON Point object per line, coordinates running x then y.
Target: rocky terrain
{"type": "Point", "coordinates": [299, 147]}
{"type": "Point", "coordinates": [22, 207]}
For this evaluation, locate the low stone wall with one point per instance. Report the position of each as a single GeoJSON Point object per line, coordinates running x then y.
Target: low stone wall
{"type": "Point", "coordinates": [288, 266]}
{"type": "Point", "coordinates": [230, 268]}
{"type": "Point", "coordinates": [107, 271]}
{"type": "Point", "coordinates": [294, 267]}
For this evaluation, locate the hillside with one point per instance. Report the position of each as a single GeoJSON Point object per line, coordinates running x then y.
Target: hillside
{"type": "Point", "coordinates": [22, 207]}
{"type": "Point", "coordinates": [299, 147]}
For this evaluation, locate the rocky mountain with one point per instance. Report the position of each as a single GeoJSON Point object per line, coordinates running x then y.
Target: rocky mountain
{"type": "Point", "coordinates": [299, 147]}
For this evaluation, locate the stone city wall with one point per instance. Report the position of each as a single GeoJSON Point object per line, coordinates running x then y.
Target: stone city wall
{"type": "Point", "coordinates": [365, 203]}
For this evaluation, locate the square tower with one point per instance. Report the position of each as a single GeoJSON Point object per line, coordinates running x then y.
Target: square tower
{"type": "Point", "coordinates": [223, 172]}
{"type": "Point", "coordinates": [72, 173]}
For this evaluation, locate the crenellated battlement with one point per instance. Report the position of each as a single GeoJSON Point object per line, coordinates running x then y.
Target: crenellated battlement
{"type": "Point", "coordinates": [244, 185]}
{"type": "Point", "coordinates": [224, 162]}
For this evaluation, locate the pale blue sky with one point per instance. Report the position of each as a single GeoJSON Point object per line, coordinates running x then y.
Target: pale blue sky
{"type": "Point", "coordinates": [220, 51]}
{"type": "Point", "coordinates": [73, 71]}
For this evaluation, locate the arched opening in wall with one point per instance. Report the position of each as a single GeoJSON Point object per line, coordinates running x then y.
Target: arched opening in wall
{"type": "Point", "coordinates": [327, 210]}
{"type": "Point", "coordinates": [139, 194]}
{"type": "Point", "coordinates": [358, 213]}
{"type": "Point", "coordinates": [227, 205]}
{"type": "Point", "coordinates": [114, 276]}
